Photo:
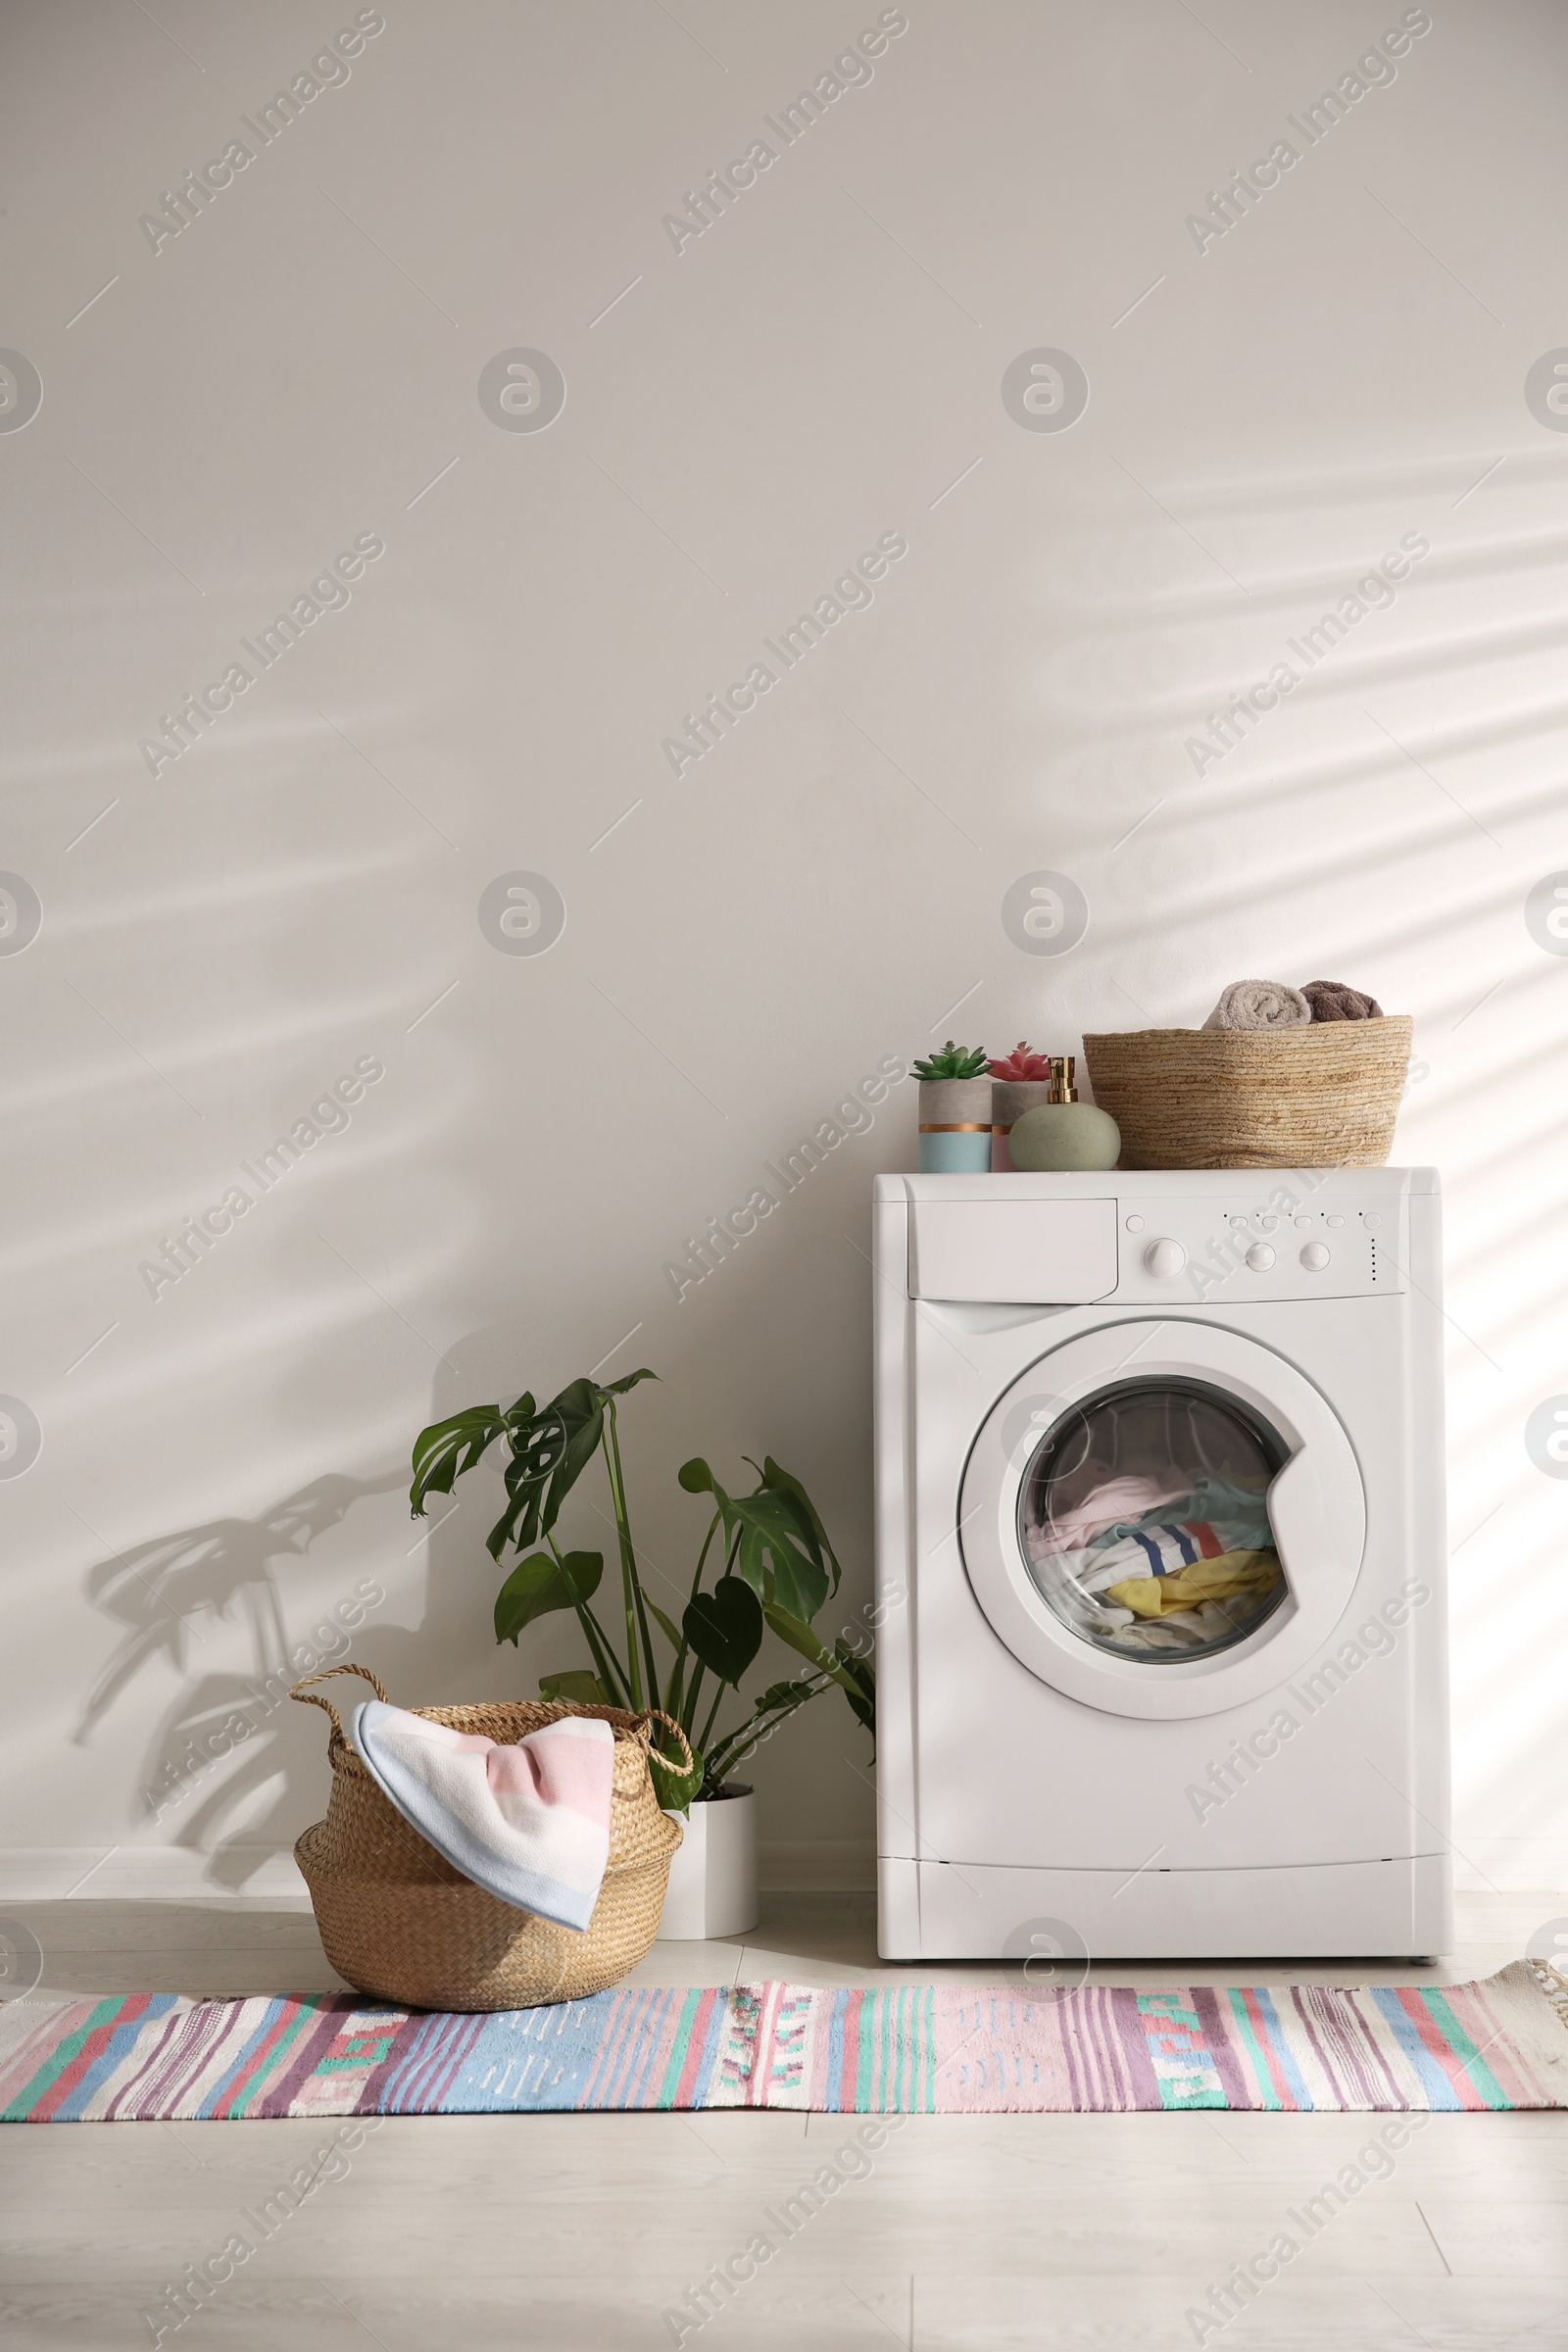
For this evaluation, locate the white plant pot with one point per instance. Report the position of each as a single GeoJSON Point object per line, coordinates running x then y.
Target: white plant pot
{"type": "Point", "coordinates": [712, 1879]}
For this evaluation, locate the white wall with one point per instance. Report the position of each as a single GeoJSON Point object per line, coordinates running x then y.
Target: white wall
{"type": "Point", "coordinates": [300, 888]}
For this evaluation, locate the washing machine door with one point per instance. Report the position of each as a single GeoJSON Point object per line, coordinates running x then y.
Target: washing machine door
{"type": "Point", "coordinates": [1162, 1518]}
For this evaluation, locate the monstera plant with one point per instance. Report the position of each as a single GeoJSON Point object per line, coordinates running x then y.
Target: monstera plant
{"type": "Point", "coordinates": [772, 1568]}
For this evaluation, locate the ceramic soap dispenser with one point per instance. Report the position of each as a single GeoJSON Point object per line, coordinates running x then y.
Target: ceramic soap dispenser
{"type": "Point", "coordinates": [1065, 1133]}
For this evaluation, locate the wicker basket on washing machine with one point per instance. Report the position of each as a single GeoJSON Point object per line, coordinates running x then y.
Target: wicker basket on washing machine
{"type": "Point", "coordinates": [399, 1921]}
{"type": "Point", "coordinates": [1324, 1095]}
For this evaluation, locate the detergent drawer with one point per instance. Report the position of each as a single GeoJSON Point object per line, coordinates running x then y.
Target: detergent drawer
{"type": "Point", "coordinates": [1012, 1252]}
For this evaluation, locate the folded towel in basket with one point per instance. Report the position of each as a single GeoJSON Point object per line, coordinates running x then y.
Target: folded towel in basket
{"type": "Point", "coordinates": [1260, 1004]}
{"type": "Point", "coordinates": [529, 1823]}
{"type": "Point", "coordinates": [1332, 1001]}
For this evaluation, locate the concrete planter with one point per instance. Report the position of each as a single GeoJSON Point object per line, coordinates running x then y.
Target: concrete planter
{"type": "Point", "coordinates": [1011, 1098]}
{"type": "Point", "coordinates": [712, 1880]}
{"type": "Point", "coordinates": [955, 1126]}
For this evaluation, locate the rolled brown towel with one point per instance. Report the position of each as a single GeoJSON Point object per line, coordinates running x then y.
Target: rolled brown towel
{"type": "Point", "coordinates": [1332, 1001]}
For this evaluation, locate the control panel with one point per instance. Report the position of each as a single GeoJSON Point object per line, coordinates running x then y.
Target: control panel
{"type": "Point", "coordinates": [1268, 1240]}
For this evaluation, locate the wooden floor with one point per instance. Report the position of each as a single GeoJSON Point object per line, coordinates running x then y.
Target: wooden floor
{"type": "Point", "coordinates": [483, 2232]}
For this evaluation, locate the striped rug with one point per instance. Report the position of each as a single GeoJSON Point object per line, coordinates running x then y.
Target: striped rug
{"type": "Point", "coordinates": [916, 2048]}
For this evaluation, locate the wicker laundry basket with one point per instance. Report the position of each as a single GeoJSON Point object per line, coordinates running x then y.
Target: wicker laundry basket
{"type": "Point", "coordinates": [1324, 1095]}
{"type": "Point", "coordinates": [399, 1921]}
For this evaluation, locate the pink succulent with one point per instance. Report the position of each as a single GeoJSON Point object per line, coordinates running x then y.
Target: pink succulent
{"type": "Point", "coordinates": [1021, 1062]}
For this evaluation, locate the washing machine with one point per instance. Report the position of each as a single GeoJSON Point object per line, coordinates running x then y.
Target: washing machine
{"type": "Point", "coordinates": [1161, 1646]}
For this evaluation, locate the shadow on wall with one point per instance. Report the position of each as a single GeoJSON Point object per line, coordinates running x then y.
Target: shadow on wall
{"type": "Point", "coordinates": [221, 1743]}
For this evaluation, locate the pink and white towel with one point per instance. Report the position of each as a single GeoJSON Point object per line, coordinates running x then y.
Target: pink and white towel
{"type": "Point", "coordinates": [529, 1824]}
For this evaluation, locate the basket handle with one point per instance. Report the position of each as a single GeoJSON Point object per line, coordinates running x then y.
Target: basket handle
{"type": "Point", "coordinates": [654, 1715]}
{"type": "Point", "coordinates": [306, 1696]}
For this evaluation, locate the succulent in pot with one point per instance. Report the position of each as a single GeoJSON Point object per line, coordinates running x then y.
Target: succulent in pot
{"type": "Point", "coordinates": [1020, 1081]}
{"type": "Point", "coordinates": [955, 1111]}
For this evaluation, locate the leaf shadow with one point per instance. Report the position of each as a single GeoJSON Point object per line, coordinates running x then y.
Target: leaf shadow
{"type": "Point", "coordinates": [162, 1594]}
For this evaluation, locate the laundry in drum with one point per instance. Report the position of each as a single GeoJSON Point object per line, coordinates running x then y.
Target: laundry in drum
{"type": "Point", "coordinates": [1117, 1503]}
{"type": "Point", "coordinates": [1233, 1572]}
{"type": "Point", "coordinates": [1156, 1562]}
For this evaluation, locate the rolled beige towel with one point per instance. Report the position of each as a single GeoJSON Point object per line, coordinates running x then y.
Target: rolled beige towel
{"type": "Point", "coordinates": [1260, 1004]}
{"type": "Point", "coordinates": [1334, 1000]}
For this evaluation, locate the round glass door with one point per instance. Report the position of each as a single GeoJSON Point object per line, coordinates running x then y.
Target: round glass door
{"type": "Point", "coordinates": [1143, 1518]}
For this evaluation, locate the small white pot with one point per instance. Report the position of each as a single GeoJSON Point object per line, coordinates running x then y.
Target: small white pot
{"type": "Point", "coordinates": [712, 1880]}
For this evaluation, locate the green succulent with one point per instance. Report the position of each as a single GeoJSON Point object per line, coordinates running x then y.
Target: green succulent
{"type": "Point", "coordinates": [953, 1061]}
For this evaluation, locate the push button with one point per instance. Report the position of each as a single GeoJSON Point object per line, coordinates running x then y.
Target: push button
{"type": "Point", "coordinates": [1260, 1257]}
{"type": "Point", "coordinates": [1315, 1256]}
{"type": "Point", "coordinates": [1166, 1258]}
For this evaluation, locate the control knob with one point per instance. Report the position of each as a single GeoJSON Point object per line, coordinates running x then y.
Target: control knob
{"type": "Point", "coordinates": [1166, 1258]}
{"type": "Point", "coordinates": [1315, 1256]}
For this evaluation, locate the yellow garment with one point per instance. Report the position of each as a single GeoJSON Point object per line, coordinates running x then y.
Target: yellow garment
{"type": "Point", "coordinates": [1201, 1580]}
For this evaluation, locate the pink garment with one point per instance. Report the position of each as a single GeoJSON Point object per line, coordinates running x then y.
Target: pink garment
{"type": "Point", "coordinates": [1118, 1498]}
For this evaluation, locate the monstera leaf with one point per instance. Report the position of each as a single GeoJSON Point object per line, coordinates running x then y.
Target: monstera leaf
{"type": "Point", "coordinates": [548, 1456]}
{"type": "Point", "coordinates": [779, 1555]}
{"type": "Point", "coordinates": [576, 1683]}
{"type": "Point", "coordinates": [724, 1628]}
{"type": "Point", "coordinates": [673, 1786]}
{"type": "Point", "coordinates": [785, 1694]}
{"type": "Point", "coordinates": [785, 1484]}
{"type": "Point", "coordinates": [444, 1451]}
{"type": "Point", "coordinates": [857, 1681]}
{"type": "Point", "coordinates": [769, 1540]}
{"type": "Point", "coordinates": [853, 1676]}
{"type": "Point", "coordinates": [541, 1584]}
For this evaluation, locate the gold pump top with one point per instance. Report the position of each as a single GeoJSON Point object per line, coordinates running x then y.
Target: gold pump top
{"type": "Point", "coordinates": [1062, 1089]}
